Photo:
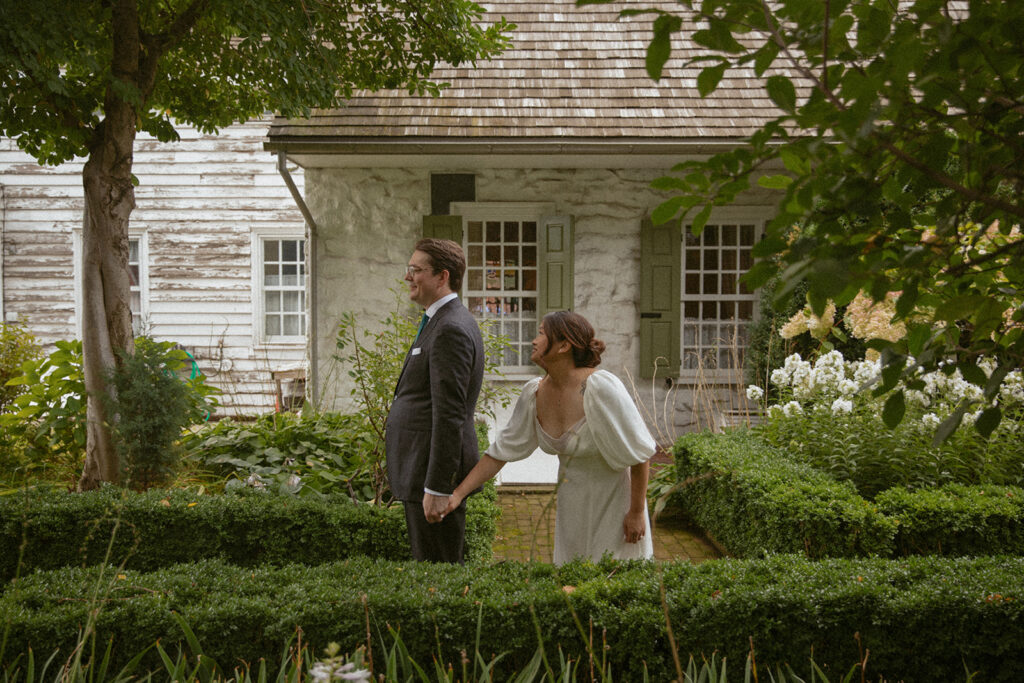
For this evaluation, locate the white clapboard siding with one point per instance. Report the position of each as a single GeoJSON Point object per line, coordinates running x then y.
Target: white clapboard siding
{"type": "Point", "coordinates": [197, 202]}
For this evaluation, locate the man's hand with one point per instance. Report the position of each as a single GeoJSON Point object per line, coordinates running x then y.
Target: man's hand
{"type": "Point", "coordinates": [434, 507]}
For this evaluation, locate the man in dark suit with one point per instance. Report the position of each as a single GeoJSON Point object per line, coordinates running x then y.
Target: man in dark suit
{"type": "Point", "coordinates": [429, 439]}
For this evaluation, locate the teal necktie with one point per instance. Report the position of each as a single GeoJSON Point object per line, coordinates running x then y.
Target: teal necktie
{"type": "Point", "coordinates": [423, 323]}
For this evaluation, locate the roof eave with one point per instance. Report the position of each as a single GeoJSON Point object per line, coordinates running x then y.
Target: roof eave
{"type": "Point", "coordinates": [311, 145]}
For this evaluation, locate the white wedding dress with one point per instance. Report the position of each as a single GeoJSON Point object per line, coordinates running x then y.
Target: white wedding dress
{"type": "Point", "coordinates": [593, 474]}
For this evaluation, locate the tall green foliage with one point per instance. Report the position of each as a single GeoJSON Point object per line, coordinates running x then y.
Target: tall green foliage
{"type": "Point", "coordinates": [157, 396]}
{"type": "Point", "coordinates": [373, 360]}
{"type": "Point", "coordinates": [153, 405]}
{"type": "Point", "coordinates": [900, 131]}
{"type": "Point", "coordinates": [17, 345]}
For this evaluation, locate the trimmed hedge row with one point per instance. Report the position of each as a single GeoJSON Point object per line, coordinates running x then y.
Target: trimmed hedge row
{"type": "Point", "coordinates": [160, 528]}
{"type": "Point", "coordinates": [922, 618]}
{"type": "Point", "coordinates": [956, 519]}
{"type": "Point", "coordinates": [752, 499]}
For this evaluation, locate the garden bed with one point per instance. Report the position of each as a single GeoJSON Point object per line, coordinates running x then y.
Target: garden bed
{"type": "Point", "coordinates": [159, 528]}
{"type": "Point", "coordinates": [921, 618]}
{"type": "Point", "coordinates": [752, 499]}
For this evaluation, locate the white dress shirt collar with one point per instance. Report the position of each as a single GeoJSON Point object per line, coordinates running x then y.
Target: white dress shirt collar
{"type": "Point", "coordinates": [434, 307]}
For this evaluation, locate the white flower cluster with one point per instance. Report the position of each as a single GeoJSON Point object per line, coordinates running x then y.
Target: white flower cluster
{"type": "Point", "coordinates": [321, 672]}
{"type": "Point", "coordinates": [827, 379]}
{"type": "Point", "coordinates": [832, 383]}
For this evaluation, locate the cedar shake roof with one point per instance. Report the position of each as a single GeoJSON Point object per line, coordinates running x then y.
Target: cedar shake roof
{"type": "Point", "coordinates": [572, 75]}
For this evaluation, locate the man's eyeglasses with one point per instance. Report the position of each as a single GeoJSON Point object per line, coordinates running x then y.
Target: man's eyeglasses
{"type": "Point", "coordinates": [413, 270]}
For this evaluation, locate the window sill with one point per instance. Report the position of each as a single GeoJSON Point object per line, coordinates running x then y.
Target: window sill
{"type": "Point", "coordinates": [281, 343]}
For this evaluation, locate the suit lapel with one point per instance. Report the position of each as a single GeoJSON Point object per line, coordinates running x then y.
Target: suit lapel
{"type": "Point", "coordinates": [426, 335]}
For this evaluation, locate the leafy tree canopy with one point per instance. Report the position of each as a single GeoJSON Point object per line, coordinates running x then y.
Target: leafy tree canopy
{"type": "Point", "coordinates": [82, 78]}
{"type": "Point", "coordinates": [210, 63]}
{"type": "Point", "coordinates": [901, 133]}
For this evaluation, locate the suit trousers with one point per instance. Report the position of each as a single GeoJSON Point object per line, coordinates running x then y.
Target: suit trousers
{"type": "Point", "coordinates": [441, 542]}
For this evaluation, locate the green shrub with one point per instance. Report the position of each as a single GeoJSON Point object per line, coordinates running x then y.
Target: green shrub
{"type": "Point", "coordinates": [159, 528]}
{"type": "Point", "coordinates": [17, 346]}
{"type": "Point", "coordinates": [307, 454]}
{"type": "Point", "coordinates": [827, 418]}
{"type": "Point", "coordinates": [957, 519]}
{"type": "Point", "coordinates": [752, 499]}
{"type": "Point", "coordinates": [50, 415]}
{"type": "Point", "coordinates": [153, 407]}
{"type": "Point", "coordinates": [921, 618]}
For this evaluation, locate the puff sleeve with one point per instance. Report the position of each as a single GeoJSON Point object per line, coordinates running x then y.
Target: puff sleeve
{"type": "Point", "coordinates": [620, 434]}
{"type": "Point", "coordinates": [518, 438]}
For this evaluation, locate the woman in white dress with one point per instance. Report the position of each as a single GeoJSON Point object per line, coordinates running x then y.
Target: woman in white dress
{"type": "Point", "coordinates": [586, 417]}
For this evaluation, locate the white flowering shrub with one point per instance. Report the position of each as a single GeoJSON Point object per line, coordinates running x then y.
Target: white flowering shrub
{"type": "Point", "coordinates": [827, 416]}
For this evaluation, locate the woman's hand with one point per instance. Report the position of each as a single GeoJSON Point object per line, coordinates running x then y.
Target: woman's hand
{"type": "Point", "coordinates": [454, 501]}
{"type": "Point", "coordinates": [633, 527]}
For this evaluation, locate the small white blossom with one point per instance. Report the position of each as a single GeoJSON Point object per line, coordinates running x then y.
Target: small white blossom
{"type": "Point", "coordinates": [847, 387]}
{"type": "Point", "coordinates": [792, 409]}
{"type": "Point", "coordinates": [930, 420]}
{"type": "Point", "coordinates": [254, 481]}
{"type": "Point", "coordinates": [754, 392]}
{"type": "Point", "coordinates": [322, 672]}
{"type": "Point", "coordinates": [294, 480]}
{"type": "Point", "coordinates": [842, 405]}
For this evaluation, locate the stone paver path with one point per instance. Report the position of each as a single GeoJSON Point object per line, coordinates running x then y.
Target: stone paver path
{"type": "Point", "coordinates": [527, 525]}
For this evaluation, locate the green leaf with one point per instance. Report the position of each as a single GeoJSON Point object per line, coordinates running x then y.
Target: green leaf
{"type": "Point", "coordinates": [972, 373]}
{"type": "Point", "coordinates": [709, 78]}
{"type": "Point", "coordinates": [988, 421]}
{"type": "Point", "coordinates": [764, 57]}
{"type": "Point", "coordinates": [660, 47]}
{"type": "Point", "coordinates": [894, 409]}
{"type": "Point", "coordinates": [949, 425]}
{"type": "Point", "coordinates": [775, 182]}
{"type": "Point", "coordinates": [700, 220]}
{"type": "Point", "coordinates": [782, 93]}
{"type": "Point", "coordinates": [917, 337]}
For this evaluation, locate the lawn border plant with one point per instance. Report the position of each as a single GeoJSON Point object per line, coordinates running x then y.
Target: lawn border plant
{"type": "Point", "coordinates": [921, 618]}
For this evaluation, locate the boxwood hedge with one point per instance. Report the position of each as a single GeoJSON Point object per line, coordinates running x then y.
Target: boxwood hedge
{"type": "Point", "coordinates": [956, 519]}
{"type": "Point", "coordinates": [164, 527]}
{"type": "Point", "coordinates": [752, 499]}
{"type": "Point", "coordinates": [923, 618]}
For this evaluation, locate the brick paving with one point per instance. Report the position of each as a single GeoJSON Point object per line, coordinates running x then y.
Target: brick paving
{"type": "Point", "coordinates": [527, 525]}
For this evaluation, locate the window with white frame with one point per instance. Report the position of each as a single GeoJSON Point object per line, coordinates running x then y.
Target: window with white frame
{"type": "Point", "coordinates": [717, 308]}
{"type": "Point", "coordinates": [502, 277]}
{"type": "Point", "coordinates": [138, 280]}
{"type": "Point", "coordinates": [135, 267]}
{"type": "Point", "coordinates": [281, 288]}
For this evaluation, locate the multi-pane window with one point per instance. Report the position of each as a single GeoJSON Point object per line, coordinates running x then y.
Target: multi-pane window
{"type": "Point", "coordinates": [284, 288]}
{"type": "Point", "coordinates": [135, 284]}
{"type": "Point", "coordinates": [717, 307]}
{"type": "Point", "coordinates": [501, 281]}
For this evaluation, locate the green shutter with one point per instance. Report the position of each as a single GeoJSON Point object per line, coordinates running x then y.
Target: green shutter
{"type": "Point", "coordinates": [660, 272]}
{"type": "Point", "coordinates": [443, 227]}
{"type": "Point", "coordinates": [556, 265]}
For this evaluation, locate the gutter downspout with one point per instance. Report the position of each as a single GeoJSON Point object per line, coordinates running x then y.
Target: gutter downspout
{"type": "Point", "coordinates": [314, 356]}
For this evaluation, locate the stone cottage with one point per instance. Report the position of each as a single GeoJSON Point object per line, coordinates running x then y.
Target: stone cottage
{"type": "Point", "coordinates": [540, 163]}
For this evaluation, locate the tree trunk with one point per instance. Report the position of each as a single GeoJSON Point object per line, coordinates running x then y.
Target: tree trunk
{"type": "Point", "coordinates": [106, 293]}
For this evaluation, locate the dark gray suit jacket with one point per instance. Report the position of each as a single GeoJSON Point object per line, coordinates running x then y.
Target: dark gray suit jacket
{"type": "Point", "coordinates": [430, 440]}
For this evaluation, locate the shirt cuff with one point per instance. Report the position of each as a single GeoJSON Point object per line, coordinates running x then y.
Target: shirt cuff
{"type": "Point", "coordinates": [435, 493]}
